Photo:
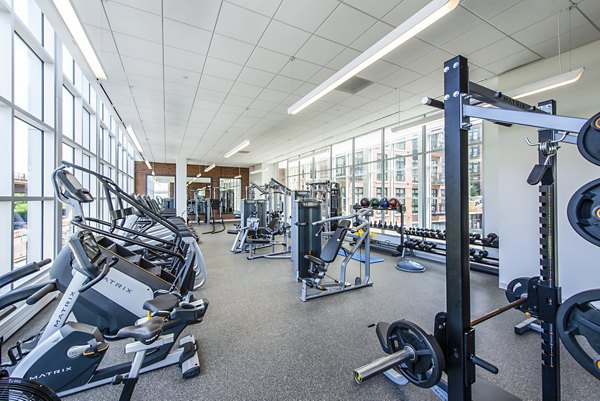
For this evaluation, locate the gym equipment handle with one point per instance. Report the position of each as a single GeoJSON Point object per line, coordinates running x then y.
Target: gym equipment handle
{"type": "Point", "coordinates": [484, 364]}
{"type": "Point", "coordinates": [382, 364]}
{"type": "Point", "coordinates": [41, 293]}
{"type": "Point", "coordinates": [100, 277]}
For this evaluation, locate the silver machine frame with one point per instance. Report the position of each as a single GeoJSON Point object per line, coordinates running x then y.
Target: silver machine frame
{"type": "Point", "coordinates": [361, 216]}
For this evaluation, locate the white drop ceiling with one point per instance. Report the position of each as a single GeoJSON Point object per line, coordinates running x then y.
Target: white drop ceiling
{"type": "Point", "coordinates": [196, 77]}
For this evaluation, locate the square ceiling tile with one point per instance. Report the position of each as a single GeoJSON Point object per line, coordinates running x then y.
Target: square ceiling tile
{"type": "Point", "coordinates": [306, 14]}
{"type": "Point", "coordinates": [404, 11]}
{"type": "Point", "coordinates": [548, 28]}
{"type": "Point", "coordinates": [321, 75]}
{"type": "Point", "coordinates": [199, 13]}
{"type": "Point", "coordinates": [244, 89]}
{"type": "Point", "coordinates": [120, 18]}
{"type": "Point", "coordinates": [345, 25]}
{"type": "Point", "coordinates": [378, 70]}
{"type": "Point", "coordinates": [371, 36]}
{"type": "Point", "coordinates": [230, 49]}
{"type": "Point", "coordinates": [222, 68]}
{"type": "Point", "coordinates": [255, 77]}
{"type": "Point", "coordinates": [151, 6]}
{"type": "Point", "coordinates": [376, 9]}
{"type": "Point", "coordinates": [186, 37]}
{"type": "Point", "coordinates": [142, 67]}
{"type": "Point", "coordinates": [319, 50]}
{"type": "Point", "coordinates": [488, 8]}
{"type": "Point", "coordinates": [273, 96]}
{"type": "Point", "coordinates": [264, 7]}
{"type": "Point", "coordinates": [216, 83]}
{"type": "Point", "coordinates": [514, 60]}
{"type": "Point", "coordinates": [267, 60]}
{"type": "Point", "coordinates": [181, 76]}
{"type": "Point", "coordinates": [240, 23]}
{"type": "Point", "coordinates": [479, 37]}
{"type": "Point", "coordinates": [284, 84]}
{"type": "Point", "coordinates": [525, 14]}
{"type": "Point", "coordinates": [400, 78]}
{"type": "Point", "coordinates": [409, 51]}
{"type": "Point", "coordinates": [432, 61]}
{"type": "Point", "coordinates": [343, 58]}
{"type": "Point", "coordinates": [139, 48]}
{"type": "Point", "coordinates": [283, 38]}
{"type": "Point", "coordinates": [457, 22]}
{"type": "Point", "coordinates": [183, 59]}
{"type": "Point", "coordinates": [300, 69]}
{"type": "Point", "coordinates": [495, 52]}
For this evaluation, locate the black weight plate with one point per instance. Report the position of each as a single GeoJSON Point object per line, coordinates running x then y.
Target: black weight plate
{"type": "Point", "coordinates": [516, 288]}
{"type": "Point", "coordinates": [588, 140]}
{"type": "Point", "coordinates": [577, 318]}
{"type": "Point", "coordinates": [584, 212]}
{"type": "Point", "coordinates": [426, 370]}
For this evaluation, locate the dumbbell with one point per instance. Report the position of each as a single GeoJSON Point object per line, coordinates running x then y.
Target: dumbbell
{"type": "Point", "coordinates": [385, 226]}
{"type": "Point", "coordinates": [489, 239]}
{"type": "Point", "coordinates": [380, 224]}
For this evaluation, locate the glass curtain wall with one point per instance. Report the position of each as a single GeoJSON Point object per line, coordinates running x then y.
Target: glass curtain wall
{"type": "Point", "coordinates": [36, 137]}
{"type": "Point", "coordinates": [406, 164]}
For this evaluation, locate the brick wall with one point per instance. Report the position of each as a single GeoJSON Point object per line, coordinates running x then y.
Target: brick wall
{"type": "Point", "coordinates": [142, 171]}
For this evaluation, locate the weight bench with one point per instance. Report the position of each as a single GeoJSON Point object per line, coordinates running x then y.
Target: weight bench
{"type": "Point", "coordinates": [319, 264]}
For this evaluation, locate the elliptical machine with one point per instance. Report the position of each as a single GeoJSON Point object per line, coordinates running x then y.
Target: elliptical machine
{"type": "Point", "coordinates": [67, 355]}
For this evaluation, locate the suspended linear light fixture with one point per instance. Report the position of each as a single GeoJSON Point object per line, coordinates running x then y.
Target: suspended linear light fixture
{"type": "Point", "coordinates": [262, 170]}
{"type": "Point", "coordinates": [408, 29]}
{"type": "Point", "coordinates": [206, 170]}
{"type": "Point", "coordinates": [148, 164]}
{"type": "Point", "coordinates": [67, 13]}
{"type": "Point", "coordinates": [239, 147]}
{"type": "Point", "coordinates": [134, 138]}
{"type": "Point", "coordinates": [546, 84]}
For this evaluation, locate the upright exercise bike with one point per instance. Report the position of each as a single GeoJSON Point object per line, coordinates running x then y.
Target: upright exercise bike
{"type": "Point", "coordinates": [67, 354]}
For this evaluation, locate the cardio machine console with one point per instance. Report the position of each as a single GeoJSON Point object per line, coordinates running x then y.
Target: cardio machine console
{"type": "Point", "coordinates": [87, 252]}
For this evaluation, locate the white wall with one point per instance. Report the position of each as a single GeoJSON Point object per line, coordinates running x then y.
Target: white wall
{"type": "Point", "coordinates": [517, 203]}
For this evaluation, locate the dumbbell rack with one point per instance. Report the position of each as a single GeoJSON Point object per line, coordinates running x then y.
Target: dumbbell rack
{"type": "Point", "coordinates": [386, 245]}
{"type": "Point", "coordinates": [487, 264]}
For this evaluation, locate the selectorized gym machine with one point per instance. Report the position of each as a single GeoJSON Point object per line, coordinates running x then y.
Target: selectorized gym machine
{"type": "Point", "coordinates": [311, 259]}
{"type": "Point", "coordinates": [253, 214]}
{"type": "Point", "coordinates": [420, 358]}
{"type": "Point", "coordinates": [328, 192]}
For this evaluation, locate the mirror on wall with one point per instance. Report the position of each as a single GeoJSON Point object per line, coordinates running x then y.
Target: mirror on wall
{"type": "Point", "coordinates": [198, 190]}
{"type": "Point", "coordinates": [230, 194]}
{"type": "Point", "coordinates": [162, 186]}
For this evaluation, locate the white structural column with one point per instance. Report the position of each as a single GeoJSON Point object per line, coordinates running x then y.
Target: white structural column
{"type": "Point", "coordinates": [180, 181]}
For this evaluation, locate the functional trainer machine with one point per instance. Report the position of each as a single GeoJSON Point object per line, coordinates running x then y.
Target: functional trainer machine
{"type": "Point", "coordinates": [311, 259]}
{"type": "Point", "coordinates": [419, 357]}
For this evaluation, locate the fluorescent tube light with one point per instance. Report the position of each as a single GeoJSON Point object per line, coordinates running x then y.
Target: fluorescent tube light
{"type": "Point", "coordinates": [409, 28]}
{"type": "Point", "coordinates": [238, 176]}
{"type": "Point", "coordinates": [206, 170]}
{"type": "Point", "coordinates": [258, 171]}
{"type": "Point", "coordinates": [148, 164]}
{"type": "Point", "coordinates": [66, 11]}
{"type": "Point", "coordinates": [546, 84]}
{"type": "Point", "coordinates": [134, 138]}
{"type": "Point", "coordinates": [239, 147]}
{"type": "Point", "coordinates": [153, 173]}
{"type": "Point", "coordinates": [199, 175]}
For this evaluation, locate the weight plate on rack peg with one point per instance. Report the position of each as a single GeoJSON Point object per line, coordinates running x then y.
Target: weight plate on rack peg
{"type": "Point", "coordinates": [584, 212]}
{"type": "Point", "coordinates": [588, 140]}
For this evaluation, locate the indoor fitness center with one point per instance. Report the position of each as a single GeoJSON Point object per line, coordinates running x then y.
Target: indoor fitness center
{"type": "Point", "coordinates": [303, 200]}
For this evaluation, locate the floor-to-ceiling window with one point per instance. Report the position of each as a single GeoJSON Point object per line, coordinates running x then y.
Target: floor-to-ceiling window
{"type": "Point", "coordinates": [394, 162]}
{"type": "Point", "coordinates": [47, 117]}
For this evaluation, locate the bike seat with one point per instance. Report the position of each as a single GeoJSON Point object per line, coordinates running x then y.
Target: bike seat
{"type": "Point", "coordinates": [164, 302]}
{"type": "Point", "coordinates": [146, 332]}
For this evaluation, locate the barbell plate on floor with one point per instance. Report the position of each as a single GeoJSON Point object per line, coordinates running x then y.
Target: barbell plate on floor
{"type": "Point", "coordinates": [583, 212]}
{"type": "Point", "coordinates": [588, 140]}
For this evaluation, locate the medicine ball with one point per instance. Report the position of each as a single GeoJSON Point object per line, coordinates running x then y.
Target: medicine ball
{"type": "Point", "coordinates": [374, 202]}
{"type": "Point", "coordinates": [383, 203]}
{"type": "Point", "coordinates": [394, 203]}
{"type": "Point", "coordinates": [364, 202]}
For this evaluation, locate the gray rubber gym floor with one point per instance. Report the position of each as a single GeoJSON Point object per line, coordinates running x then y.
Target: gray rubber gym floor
{"type": "Point", "coordinates": [260, 342]}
